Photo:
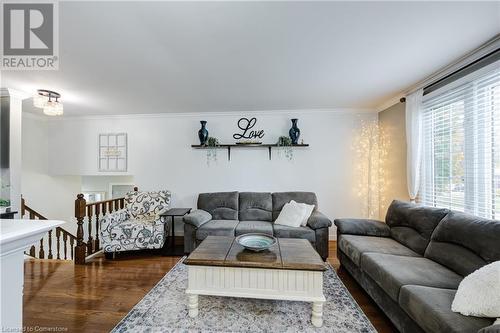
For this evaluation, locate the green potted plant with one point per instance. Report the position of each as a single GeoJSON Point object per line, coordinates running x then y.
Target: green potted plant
{"type": "Point", "coordinates": [4, 202]}
{"type": "Point", "coordinates": [285, 147]}
{"type": "Point", "coordinates": [212, 145]}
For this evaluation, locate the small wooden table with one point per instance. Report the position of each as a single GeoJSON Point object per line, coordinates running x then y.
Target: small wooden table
{"type": "Point", "coordinates": [290, 270]}
{"type": "Point", "coordinates": [173, 250]}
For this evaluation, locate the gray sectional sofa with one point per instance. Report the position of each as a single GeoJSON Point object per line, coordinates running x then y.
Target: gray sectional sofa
{"type": "Point", "coordinates": [236, 213]}
{"type": "Point", "coordinates": [412, 265]}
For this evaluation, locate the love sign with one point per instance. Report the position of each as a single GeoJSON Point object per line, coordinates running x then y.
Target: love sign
{"type": "Point", "coordinates": [246, 126]}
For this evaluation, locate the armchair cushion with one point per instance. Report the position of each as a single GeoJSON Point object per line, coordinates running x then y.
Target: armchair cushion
{"type": "Point", "coordinates": [318, 220]}
{"type": "Point", "coordinates": [142, 204]}
{"type": "Point", "coordinates": [138, 226]}
{"type": "Point", "coordinates": [363, 227]}
{"type": "Point", "coordinates": [109, 221]}
{"type": "Point", "coordinates": [197, 218]}
{"type": "Point", "coordinates": [119, 232]}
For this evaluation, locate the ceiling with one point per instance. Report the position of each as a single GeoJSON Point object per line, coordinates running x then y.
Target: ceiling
{"type": "Point", "coordinates": [160, 57]}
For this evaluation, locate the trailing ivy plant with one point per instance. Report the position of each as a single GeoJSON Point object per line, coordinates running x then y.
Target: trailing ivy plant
{"type": "Point", "coordinates": [4, 202]}
{"type": "Point", "coordinates": [285, 147]}
{"type": "Point", "coordinates": [212, 145]}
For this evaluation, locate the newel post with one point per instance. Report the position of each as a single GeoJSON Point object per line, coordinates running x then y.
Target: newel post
{"type": "Point", "coordinates": [23, 207]}
{"type": "Point", "coordinates": [80, 249]}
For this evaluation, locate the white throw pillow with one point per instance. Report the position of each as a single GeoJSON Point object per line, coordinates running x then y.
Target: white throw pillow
{"type": "Point", "coordinates": [291, 215]}
{"type": "Point", "coordinates": [307, 213]}
{"type": "Point", "coordinates": [478, 294]}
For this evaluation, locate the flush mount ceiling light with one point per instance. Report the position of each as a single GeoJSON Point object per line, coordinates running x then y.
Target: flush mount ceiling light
{"type": "Point", "coordinates": [49, 101]}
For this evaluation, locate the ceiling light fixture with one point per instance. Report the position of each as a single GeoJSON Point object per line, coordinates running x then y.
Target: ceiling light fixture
{"type": "Point", "coordinates": [48, 100]}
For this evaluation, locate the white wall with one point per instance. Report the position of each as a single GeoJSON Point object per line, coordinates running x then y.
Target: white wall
{"type": "Point", "coordinates": [51, 195]}
{"type": "Point", "coordinates": [15, 140]}
{"type": "Point", "coordinates": [392, 123]}
{"type": "Point", "coordinates": [161, 157]}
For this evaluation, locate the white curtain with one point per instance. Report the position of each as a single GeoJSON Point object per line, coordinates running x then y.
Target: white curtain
{"type": "Point", "coordinates": [413, 141]}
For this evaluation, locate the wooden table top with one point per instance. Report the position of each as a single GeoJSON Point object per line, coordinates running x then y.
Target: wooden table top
{"type": "Point", "coordinates": [287, 253]}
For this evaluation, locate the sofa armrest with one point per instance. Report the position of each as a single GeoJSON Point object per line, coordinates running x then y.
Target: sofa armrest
{"type": "Point", "coordinates": [107, 222]}
{"type": "Point", "coordinates": [364, 227]}
{"type": "Point", "coordinates": [197, 218]}
{"type": "Point", "coordinates": [318, 220]}
{"type": "Point", "coordinates": [495, 328]}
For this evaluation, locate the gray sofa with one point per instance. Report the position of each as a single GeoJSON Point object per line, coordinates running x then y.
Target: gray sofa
{"type": "Point", "coordinates": [236, 213]}
{"type": "Point", "coordinates": [412, 265]}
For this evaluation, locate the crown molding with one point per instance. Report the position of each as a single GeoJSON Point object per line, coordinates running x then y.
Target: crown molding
{"type": "Point", "coordinates": [219, 114]}
{"type": "Point", "coordinates": [486, 48]}
{"type": "Point", "coordinates": [390, 102]}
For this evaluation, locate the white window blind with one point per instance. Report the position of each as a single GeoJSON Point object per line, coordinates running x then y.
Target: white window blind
{"type": "Point", "coordinates": [461, 145]}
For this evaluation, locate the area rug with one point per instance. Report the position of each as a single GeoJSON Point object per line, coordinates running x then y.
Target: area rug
{"type": "Point", "coordinates": [163, 309]}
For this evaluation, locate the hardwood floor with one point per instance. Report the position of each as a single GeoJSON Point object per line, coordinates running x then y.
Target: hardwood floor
{"type": "Point", "coordinates": [94, 297]}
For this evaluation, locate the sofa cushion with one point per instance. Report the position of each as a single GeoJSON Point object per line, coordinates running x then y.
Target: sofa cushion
{"type": "Point", "coordinates": [391, 272]}
{"type": "Point", "coordinates": [217, 228]}
{"type": "Point", "coordinates": [354, 246]}
{"type": "Point", "coordinates": [255, 206]}
{"type": "Point", "coordinates": [245, 227]}
{"type": "Point", "coordinates": [281, 198]}
{"type": "Point", "coordinates": [283, 231]}
{"type": "Point", "coordinates": [464, 243]}
{"type": "Point", "coordinates": [412, 225]}
{"type": "Point", "coordinates": [222, 205]}
{"type": "Point", "coordinates": [431, 309]}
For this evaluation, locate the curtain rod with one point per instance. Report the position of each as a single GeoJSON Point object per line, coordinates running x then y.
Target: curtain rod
{"type": "Point", "coordinates": [471, 58]}
{"type": "Point", "coordinates": [467, 69]}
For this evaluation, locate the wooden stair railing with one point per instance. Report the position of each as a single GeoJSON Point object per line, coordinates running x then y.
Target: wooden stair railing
{"type": "Point", "coordinates": [91, 213]}
{"type": "Point", "coordinates": [78, 249]}
{"type": "Point", "coordinates": [66, 236]}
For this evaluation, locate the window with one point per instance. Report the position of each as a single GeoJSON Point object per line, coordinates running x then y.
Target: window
{"type": "Point", "coordinates": [461, 145]}
{"type": "Point", "coordinates": [94, 196]}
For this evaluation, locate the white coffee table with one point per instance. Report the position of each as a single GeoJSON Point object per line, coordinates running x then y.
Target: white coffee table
{"type": "Point", "coordinates": [291, 270]}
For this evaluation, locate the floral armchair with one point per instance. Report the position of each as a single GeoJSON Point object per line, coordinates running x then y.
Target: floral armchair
{"type": "Point", "coordinates": [137, 226]}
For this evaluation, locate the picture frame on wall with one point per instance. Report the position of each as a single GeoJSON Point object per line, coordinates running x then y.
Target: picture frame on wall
{"type": "Point", "coordinates": [113, 154]}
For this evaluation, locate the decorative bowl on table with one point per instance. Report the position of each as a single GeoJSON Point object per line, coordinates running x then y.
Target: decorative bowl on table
{"type": "Point", "coordinates": [256, 242]}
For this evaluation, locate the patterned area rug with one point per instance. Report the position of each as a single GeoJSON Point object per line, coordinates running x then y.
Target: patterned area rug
{"type": "Point", "coordinates": [163, 309]}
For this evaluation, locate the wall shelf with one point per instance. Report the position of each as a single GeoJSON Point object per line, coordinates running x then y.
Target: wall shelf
{"type": "Point", "coordinates": [228, 147]}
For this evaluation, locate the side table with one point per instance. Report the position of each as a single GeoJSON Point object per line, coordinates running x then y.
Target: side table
{"type": "Point", "coordinates": [171, 249]}
{"type": "Point", "coordinates": [8, 215]}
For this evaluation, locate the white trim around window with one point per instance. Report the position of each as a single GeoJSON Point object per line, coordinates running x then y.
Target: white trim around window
{"type": "Point", "coordinates": [461, 145]}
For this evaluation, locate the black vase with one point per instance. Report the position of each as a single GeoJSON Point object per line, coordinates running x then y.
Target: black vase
{"type": "Point", "coordinates": [203, 133]}
{"type": "Point", "coordinates": [294, 132]}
